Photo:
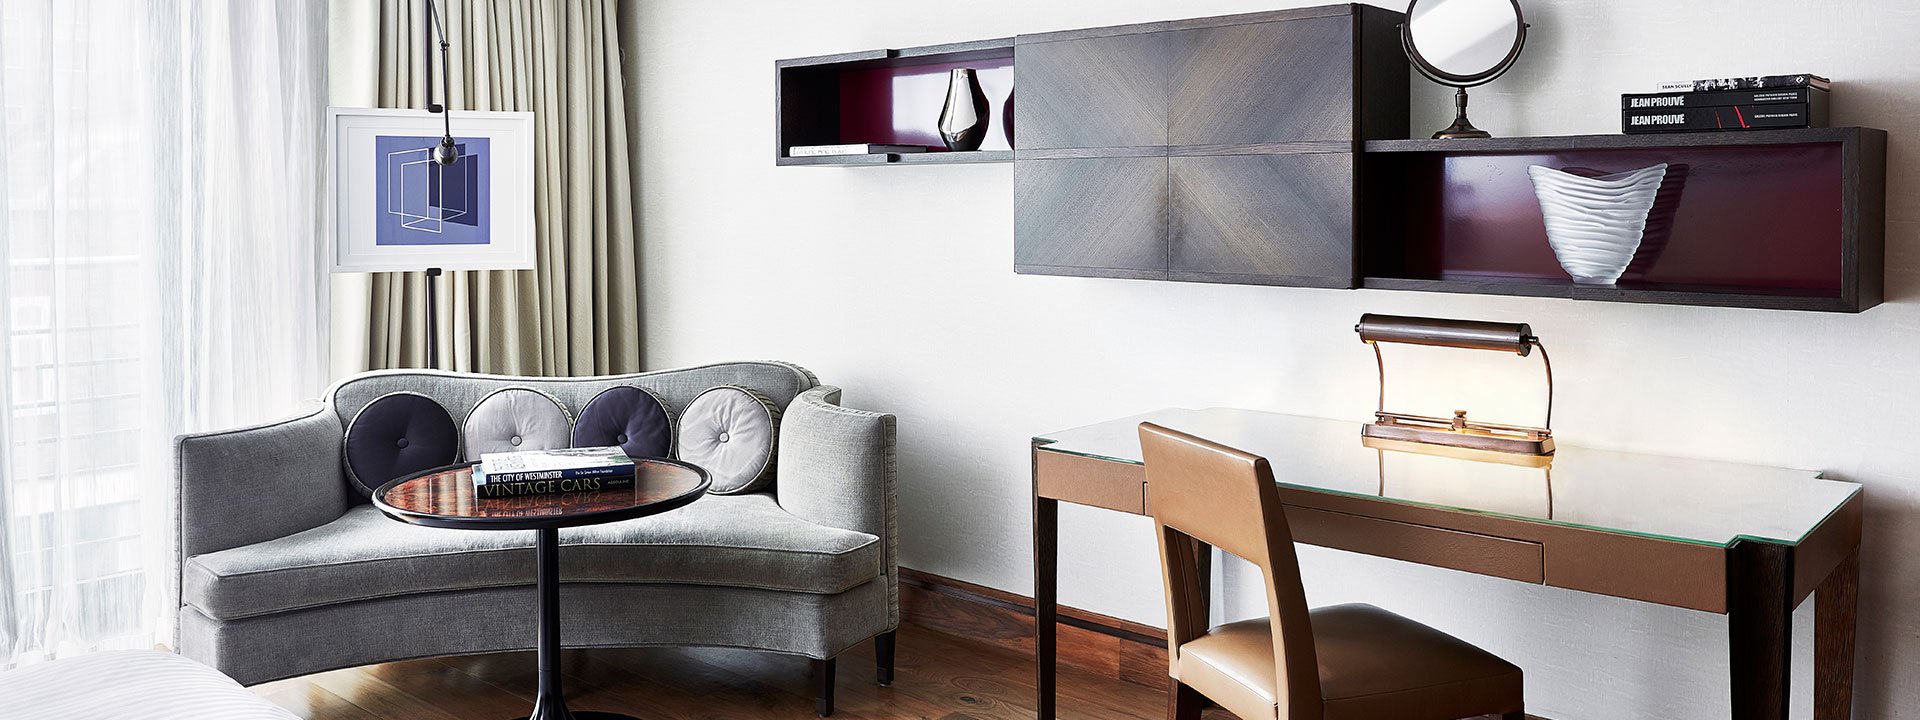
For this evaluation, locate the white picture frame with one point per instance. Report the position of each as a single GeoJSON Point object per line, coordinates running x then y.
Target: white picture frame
{"type": "Point", "coordinates": [393, 211]}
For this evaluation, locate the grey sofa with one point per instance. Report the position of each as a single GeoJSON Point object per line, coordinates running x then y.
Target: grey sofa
{"type": "Point", "coordinates": [286, 570]}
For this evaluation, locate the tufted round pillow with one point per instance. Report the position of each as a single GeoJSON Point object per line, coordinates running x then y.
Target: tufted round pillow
{"type": "Point", "coordinates": [729, 430]}
{"type": "Point", "coordinates": [398, 434]}
{"type": "Point", "coordinates": [517, 418]}
{"type": "Point", "coordinates": [630, 417]}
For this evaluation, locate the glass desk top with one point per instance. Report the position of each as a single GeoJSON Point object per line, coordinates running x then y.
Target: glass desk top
{"type": "Point", "coordinates": [1693, 501]}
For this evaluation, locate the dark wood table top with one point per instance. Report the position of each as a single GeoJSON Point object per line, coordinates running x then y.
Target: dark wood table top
{"type": "Point", "coordinates": [445, 497]}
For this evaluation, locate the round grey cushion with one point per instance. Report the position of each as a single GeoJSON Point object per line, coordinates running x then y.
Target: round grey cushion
{"type": "Point", "coordinates": [396, 435]}
{"type": "Point", "coordinates": [517, 418]}
{"type": "Point", "coordinates": [729, 430]}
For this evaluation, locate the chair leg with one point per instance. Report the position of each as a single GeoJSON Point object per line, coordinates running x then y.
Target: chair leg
{"type": "Point", "coordinates": [883, 656]}
{"type": "Point", "coordinates": [1183, 703]}
{"type": "Point", "coordinates": [823, 687]}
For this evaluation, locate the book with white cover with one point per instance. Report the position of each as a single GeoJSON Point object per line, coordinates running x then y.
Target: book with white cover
{"type": "Point", "coordinates": [561, 463]}
{"type": "Point", "coordinates": [851, 149]}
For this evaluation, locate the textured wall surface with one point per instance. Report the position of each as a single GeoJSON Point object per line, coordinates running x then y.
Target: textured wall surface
{"type": "Point", "coordinates": [897, 283]}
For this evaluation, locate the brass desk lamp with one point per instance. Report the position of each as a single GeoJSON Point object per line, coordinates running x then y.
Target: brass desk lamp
{"type": "Point", "coordinates": [1514, 444]}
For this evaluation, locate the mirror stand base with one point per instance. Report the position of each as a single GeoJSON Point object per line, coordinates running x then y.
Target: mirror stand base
{"type": "Point", "coordinates": [1461, 127]}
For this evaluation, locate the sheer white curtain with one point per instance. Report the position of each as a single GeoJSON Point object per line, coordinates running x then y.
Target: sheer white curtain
{"type": "Point", "coordinates": [159, 228]}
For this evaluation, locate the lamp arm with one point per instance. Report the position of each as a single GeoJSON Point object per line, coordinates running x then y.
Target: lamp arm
{"type": "Point", "coordinates": [1380, 363]}
{"type": "Point", "coordinates": [444, 154]}
{"type": "Point", "coordinates": [1548, 363]}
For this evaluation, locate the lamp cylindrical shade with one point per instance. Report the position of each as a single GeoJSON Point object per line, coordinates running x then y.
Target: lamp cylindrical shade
{"type": "Point", "coordinates": [1443, 332]}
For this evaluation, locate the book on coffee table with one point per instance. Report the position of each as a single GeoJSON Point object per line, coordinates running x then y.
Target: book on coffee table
{"type": "Point", "coordinates": [565, 463]}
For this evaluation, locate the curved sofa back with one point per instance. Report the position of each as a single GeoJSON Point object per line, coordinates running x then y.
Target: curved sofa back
{"type": "Point", "coordinates": [459, 392]}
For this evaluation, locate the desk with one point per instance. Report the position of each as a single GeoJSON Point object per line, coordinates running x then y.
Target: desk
{"type": "Point", "coordinates": [1746, 541]}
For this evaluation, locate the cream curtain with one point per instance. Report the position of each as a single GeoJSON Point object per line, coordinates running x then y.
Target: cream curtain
{"type": "Point", "coordinates": [160, 232]}
{"type": "Point", "coordinates": [577, 313]}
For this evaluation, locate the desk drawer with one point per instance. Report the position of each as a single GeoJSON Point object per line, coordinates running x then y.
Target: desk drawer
{"type": "Point", "coordinates": [1452, 549]}
{"type": "Point", "coordinates": [1088, 481]}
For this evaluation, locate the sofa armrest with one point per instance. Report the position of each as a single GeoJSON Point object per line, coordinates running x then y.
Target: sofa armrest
{"type": "Point", "coordinates": [253, 484]}
{"type": "Point", "coordinates": [836, 468]}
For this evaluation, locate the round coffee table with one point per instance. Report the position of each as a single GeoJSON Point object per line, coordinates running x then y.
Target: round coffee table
{"type": "Point", "coordinates": [446, 498]}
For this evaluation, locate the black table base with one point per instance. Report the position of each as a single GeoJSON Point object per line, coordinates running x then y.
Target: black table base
{"type": "Point", "coordinates": [551, 703]}
{"type": "Point", "coordinates": [580, 715]}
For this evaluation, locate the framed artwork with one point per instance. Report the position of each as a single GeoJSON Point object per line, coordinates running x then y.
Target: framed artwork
{"type": "Point", "coordinates": [395, 210]}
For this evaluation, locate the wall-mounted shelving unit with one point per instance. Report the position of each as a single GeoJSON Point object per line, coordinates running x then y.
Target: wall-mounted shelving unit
{"type": "Point", "coordinates": [1129, 168]}
{"type": "Point", "coordinates": [1785, 219]}
{"type": "Point", "coordinates": [889, 97]}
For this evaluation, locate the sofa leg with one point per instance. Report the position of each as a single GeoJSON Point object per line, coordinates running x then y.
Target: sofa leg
{"type": "Point", "coordinates": [823, 687]}
{"type": "Point", "coordinates": [883, 656]}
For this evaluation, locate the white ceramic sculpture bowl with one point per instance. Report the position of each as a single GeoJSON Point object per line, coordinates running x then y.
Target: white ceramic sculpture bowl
{"type": "Point", "coordinates": [1595, 223]}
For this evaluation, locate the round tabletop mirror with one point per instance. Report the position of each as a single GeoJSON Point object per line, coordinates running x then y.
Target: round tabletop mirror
{"type": "Point", "coordinates": [1463, 43]}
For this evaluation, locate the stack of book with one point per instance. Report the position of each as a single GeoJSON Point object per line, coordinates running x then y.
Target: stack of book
{"type": "Point", "coordinates": [1743, 103]}
{"type": "Point", "coordinates": [852, 149]}
{"type": "Point", "coordinates": [545, 472]}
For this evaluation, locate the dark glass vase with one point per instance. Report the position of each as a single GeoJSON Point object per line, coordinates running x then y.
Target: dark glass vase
{"type": "Point", "coordinates": [963, 122]}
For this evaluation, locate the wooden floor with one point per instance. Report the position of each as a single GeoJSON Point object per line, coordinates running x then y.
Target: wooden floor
{"type": "Point", "coordinates": [940, 677]}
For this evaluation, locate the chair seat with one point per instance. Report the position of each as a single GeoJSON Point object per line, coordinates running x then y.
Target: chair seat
{"type": "Point", "coordinates": [144, 684]}
{"type": "Point", "coordinates": [735, 541]}
{"type": "Point", "coordinates": [1374, 665]}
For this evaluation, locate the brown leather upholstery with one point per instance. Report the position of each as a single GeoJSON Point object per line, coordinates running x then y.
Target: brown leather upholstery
{"type": "Point", "coordinates": [1348, 662]}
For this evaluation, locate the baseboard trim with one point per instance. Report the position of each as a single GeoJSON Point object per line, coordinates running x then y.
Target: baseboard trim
{"type": "Point", "coordinates": [1102, 644]}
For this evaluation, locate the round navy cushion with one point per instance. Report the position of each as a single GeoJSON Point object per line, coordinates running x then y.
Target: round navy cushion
{"type": "Point", "coordinates": [396, 435]}
{"type": "Point", "coordinates": [630, 417]}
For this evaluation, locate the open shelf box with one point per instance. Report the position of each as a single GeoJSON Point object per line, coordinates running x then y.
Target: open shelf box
{"type": "Point", "coordinates": [1783, 219]}
{"type": "Point", "coordinates": [890, 97]}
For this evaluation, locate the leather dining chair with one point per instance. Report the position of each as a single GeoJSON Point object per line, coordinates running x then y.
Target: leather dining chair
{"type": "Point", "coordinates": [1346, 662]}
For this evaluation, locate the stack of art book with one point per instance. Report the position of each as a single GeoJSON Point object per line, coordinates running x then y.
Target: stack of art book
{"type": "Point", "coordinates": [544, 472]}
{"type": "Point", "coordinates": [1743, 103]}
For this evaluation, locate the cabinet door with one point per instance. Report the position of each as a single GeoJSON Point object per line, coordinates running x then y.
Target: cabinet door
{"type": "Point", "coordinates": [1097, 217]}
{"type": "Point", "coordinates": [1263, 219]}
{"type": "Point", "coordinates": [1098, 92]}
{"type": "Point", "coordinates": [1275, 82]}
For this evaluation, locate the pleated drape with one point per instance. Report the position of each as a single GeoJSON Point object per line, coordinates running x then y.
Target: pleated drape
{"type": "Point", "coordinates": [577, 312]}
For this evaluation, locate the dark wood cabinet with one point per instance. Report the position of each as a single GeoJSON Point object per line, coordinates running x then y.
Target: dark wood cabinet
{"type": "Point", "coordinates": [1101, 217]}
{"type": "Point", "coordinates": [1266, 82]}
{"type": "Point", "coordinates": [1269, 219]}
{"type": "Point", "coordinates": [1248, 124]}
{"type": "Point", "coordinates": [1087, 92]}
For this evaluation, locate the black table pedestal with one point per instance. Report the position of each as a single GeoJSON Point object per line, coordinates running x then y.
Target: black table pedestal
{"type": "Point", "coordinates": [551, 704]}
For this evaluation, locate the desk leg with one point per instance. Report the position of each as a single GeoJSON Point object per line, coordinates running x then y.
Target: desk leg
{"type": "Point", "coordinates": [1046, 569]}
{"type": "Point", "coordinates": [1760, 628]}
{"type": "Point", "coordinates": [1834, 605]}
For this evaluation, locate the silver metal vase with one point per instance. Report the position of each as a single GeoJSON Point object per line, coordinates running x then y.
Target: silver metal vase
{"type": "Point", "coordinates": [963, 122]}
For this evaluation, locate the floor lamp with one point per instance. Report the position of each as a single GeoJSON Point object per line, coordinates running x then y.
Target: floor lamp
{"type": "Point", "coordinates": [409, 195]}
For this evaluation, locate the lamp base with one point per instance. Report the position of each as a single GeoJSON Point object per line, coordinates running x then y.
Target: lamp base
{"type": "Point", "coordinates": [1530, 449]}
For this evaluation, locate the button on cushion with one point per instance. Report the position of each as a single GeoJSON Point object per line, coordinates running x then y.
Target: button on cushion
{"type": "Point", "coordinates": [729, 430]}
{"type": "Point", "coordinates": [517, 418]}
{"type": "Point", "coordinates": [630, 417]}
{"type": "Point", "coordinates": [397, 435]}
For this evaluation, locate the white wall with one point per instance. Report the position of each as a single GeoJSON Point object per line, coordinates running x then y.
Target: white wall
{"type": "Point", "coordinates": [897, 283]}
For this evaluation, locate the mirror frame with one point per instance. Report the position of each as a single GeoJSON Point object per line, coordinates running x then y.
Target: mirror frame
{"type": "Point", "coordinates": [1427, 68]}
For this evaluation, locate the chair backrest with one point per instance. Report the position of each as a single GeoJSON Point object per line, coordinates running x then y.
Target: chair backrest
{"type": "Point", "coordinates": [1204, 491]}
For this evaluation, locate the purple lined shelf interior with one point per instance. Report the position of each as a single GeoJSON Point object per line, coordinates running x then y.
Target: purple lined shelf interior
{"type": "Point", "coordinates": [1753, 218]}
{"type": "Point", "coordinates": [901, 105]}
